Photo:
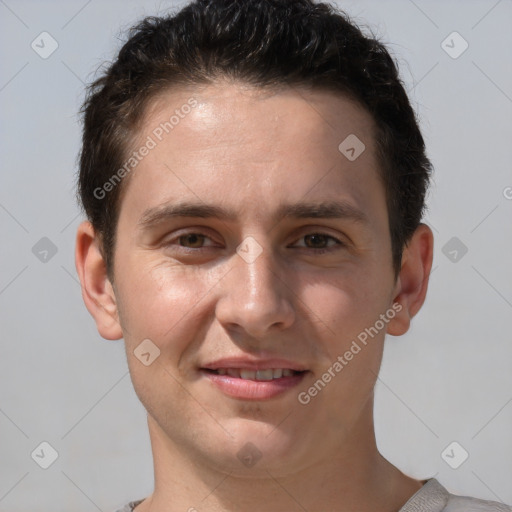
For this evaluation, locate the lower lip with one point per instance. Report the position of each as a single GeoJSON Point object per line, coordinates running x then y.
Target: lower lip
{"type": "Point", "coordinates": [246, 389]}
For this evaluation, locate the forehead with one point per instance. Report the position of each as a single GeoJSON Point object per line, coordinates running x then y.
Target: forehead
{"type": "Point", "coordinates": [253, 149]}
{"type": "Point", "coordinates": [265, 117]}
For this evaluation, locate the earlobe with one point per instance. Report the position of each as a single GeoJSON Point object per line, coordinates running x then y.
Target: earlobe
{"type": "Point", "coordinates": [412, 282]}
{"type": "Point", "coordinates": [97, 291]}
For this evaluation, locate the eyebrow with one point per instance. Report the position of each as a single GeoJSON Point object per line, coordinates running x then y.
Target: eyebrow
{"type": "Point", "coordinates": [322, 210]}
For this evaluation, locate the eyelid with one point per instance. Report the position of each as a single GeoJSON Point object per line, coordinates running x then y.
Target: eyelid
{"type": "Point", "coordinates": [339, 243]}
{"type": "Point", "coordinates": [326, 231]}
{"type": "Point", "coordinates": [190, 231]}
{"type": "Point", "coordinates": [202, 231]}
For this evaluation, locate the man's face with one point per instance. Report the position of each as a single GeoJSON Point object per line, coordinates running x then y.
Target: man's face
{"type": "Point", "coordinates": [255, 290]}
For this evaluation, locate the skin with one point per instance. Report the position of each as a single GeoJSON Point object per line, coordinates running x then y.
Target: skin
{"type": "Point", "coordinates": [250, 151]}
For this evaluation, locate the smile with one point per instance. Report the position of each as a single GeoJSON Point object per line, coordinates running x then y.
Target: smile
{"type": "Point", "coordinates": [245, 384]}
{"type": "Point", "coordinates": [265, 374]}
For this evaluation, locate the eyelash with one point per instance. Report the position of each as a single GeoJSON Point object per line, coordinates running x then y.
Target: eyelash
{"type": "Point", "coordinates": [338, 245]}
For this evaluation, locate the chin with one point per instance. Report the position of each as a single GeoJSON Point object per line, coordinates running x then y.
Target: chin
{"type": "Point", "coordinates": [257, 448]}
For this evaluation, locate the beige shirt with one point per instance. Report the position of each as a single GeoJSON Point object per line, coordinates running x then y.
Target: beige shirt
{"type": "Point", "coordinates": [432, 497]}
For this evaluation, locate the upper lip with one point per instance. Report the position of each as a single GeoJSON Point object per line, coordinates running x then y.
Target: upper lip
{"type": "Point", "coordinates": [247, 363]}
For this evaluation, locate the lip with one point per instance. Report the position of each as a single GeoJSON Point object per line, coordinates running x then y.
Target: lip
{"type": "Point", "coordinates": [246, 363]}
{"type": "Point", "coordinates": [247, 389]}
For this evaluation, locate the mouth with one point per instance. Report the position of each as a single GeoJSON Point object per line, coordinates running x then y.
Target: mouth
{"type": "Point", "coordinates": [253, 381]}
{"type": "Point", "coordinates": [266, 374]}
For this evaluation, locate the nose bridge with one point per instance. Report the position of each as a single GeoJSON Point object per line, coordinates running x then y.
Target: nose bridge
{"type": "Point", "coordinates": [254, 298]}
{"type": "Point", "coordinates": [259, 276]}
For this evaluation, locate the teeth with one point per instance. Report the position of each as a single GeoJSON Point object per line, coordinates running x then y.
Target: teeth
{"type": "Point", "coordinates": [248, 374]}
{"type": "Point", "coordinates": [277, 373]}
{"type": "Point", "coordinates": [266, 374]}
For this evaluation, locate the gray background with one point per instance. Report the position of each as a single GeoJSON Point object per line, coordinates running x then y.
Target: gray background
{"type": "Point", "coordinates": [449, 379]}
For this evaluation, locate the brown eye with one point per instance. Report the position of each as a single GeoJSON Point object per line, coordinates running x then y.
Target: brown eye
{"type": "Point", "coordinates": [192, 240]}
{"type": "Point", "coordinates": [317, 241]}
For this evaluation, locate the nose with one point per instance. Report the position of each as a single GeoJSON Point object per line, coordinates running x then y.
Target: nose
{"type": "Point", "coordinates": [256, 297]}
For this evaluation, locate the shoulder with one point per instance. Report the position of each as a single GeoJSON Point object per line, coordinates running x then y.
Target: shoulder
{"type": "Point", "coordinates": [467, 504]}
{"type": "Point", "coordinates": [433, 497]}
{"type": "Point", "coordinates": [130, 506]}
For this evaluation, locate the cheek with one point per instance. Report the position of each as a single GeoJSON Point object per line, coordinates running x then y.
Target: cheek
{"type": "Point", "coordinates": [348, 308]}
{"type": "Point", "coordinates": [346, 302]}
{"type": "Point", "coordinates": [162, 302]}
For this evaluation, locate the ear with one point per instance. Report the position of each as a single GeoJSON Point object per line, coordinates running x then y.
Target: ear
{"type": "Point", "coordinates": [412, 282]}
{"type": "Point", "coordinates": [97, 291]}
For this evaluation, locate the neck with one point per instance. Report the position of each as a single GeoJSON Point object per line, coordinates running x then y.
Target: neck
{"type": "Point", "coordinates": [354, 477]}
